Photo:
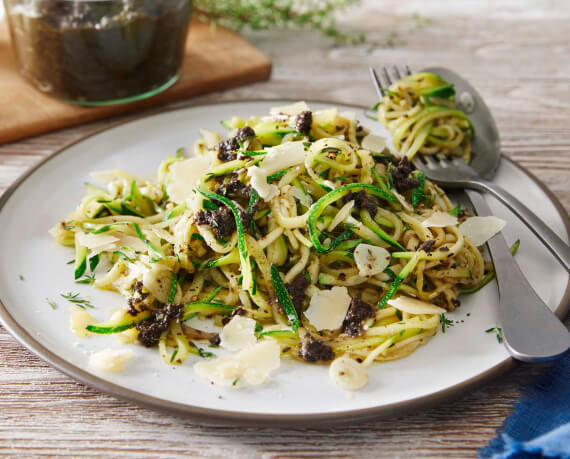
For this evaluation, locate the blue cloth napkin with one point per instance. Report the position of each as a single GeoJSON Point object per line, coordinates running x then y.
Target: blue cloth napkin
{"type": "Point", "coordinates": [540, 424]}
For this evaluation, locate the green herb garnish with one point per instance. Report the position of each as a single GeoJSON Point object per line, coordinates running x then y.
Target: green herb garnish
{"type": "Point", "coordinates": [77, 300]}
{"type": "Point", "coordinates": [498, 332]}
{"type": "Point", "coordinates": [445, 322]}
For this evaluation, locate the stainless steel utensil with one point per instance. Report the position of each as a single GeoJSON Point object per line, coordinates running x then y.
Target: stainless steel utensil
{"type": "Point", "coordinates": [531, 332]}
{"type": "Point", "coordinates": [456, 174]}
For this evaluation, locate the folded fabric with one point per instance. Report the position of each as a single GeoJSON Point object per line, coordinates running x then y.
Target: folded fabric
{"type": "Point", "coordinates": [540, 424]}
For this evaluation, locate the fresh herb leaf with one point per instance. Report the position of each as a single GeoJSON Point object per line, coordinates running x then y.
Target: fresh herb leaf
{"type": "Point", "coordinates": [123, 256]}
{"type": "Point", "coordinates": [399, 314]}
{"type": "Point", "coordinates": [21, 277]}
{"type": "Point", "coordinates": [418, 195]}
{"type": "Point", "coordinates": [75, 299]}
{"type": "Point", "coordinates": [174, 352]}
{"type": "Point", "coordinates": [258, 328]}
{"type": "Point", "coordinates": [52, 303]}
{"type": "Point", "coordinates": [205, 354]}
{"type": "Point", "coordinates": [180, 152]}
{"type": "Point", "coordinates": [445, 322]}
{"type": "Point", "coordinates": [235, 381]}
{"type": "Point", "coordinates": [498, 332]}
{"type": "Point", "coordinates": [456, 210]}
{"type": "Point", "coordinates": [87, 279]}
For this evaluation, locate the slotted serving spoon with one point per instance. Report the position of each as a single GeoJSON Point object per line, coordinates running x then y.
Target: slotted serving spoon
{"type": "Point", "coordinates": [520, 308]}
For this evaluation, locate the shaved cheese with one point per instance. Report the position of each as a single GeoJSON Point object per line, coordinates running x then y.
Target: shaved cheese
{"type": "Point", "coordinates": [93, 241]}
{"type": "Point", "coordinates": [277, 158]}
{"type": "Point", "coordinates": [328, 308]}
{"type": "Point", "coordinates": [325, 117]}
{"type": "Point", "coordinates": [185, 176]}
{"type": "Point", "coordinates": [415, 306]}
{"type": "Point", "coordinates": [258, 180]}
{"type": "Point", "coordinates": [480, 229]}
{"type": "Point", "coordinates": [439, 220]}
{"type": "Point", "coordinates": [260, 360]}
{"type": "Point", "coordinates": [341, 215]}
{"type": "Point", "coordinates": [157, 281]}
{"type": "Point", "coordinates": [110, 360]}
{"type": "Point", "coordinates": [370, 259]}
{"type": "Point", "coordinates": [293, 109]}
{"type": "Point", "coordinates": [238, 334]}
{"type": "Point", "coordinates": [374, 143]}
{"type": "Point", "coordinates": [348, 374]}
{"type": "Point", "coordinates": [252, 365]}
{"type": "Point", "coordinates": [132, 242]}
{"type": "Point", "coordinates": [283, 156]}
{"type": "Point", "coordinates": [79, 320]}
{"type": "Point", "coordinates": [211, 138]}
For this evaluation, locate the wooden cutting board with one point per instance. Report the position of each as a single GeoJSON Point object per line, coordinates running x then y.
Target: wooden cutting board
{"type": "Point", "coordinates": [216, 59]}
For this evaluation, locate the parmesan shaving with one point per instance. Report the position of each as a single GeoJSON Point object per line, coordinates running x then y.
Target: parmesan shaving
{"type": "Point", "coordinates": [93, 241]}
{"type": "Point", "coordinates": [277, 158]}
{"type": "Point", "coordinates": [79, 320]}
{"type": "Point", "coordinates": [480, 229]}
{"type": "Point", "coordinates": [238, 334]}
{"type": "Point", "coordinates": [252, 365]}
{"type": "Point", "coordinates": [374, 143]}
{"type": "Point", "coordinates": [110, 360]}
{"type": "Point", "coordinates": [328, 308]}
{"type": "Point", "coordinates": [185, 176]}
{"type": "Point", "coordinates": [439, 219]}
{"type": "Point", "coordinates": [293, 109]}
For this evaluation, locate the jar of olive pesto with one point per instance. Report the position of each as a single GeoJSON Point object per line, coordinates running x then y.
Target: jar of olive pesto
{"type": "Point", "coordinates": [99, 52]}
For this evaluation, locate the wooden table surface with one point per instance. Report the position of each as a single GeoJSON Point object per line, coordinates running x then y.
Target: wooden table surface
{"type": "Point", "coordinates": [515, 52]}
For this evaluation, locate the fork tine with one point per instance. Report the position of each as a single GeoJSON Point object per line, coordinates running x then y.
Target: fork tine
{"type": "Point", "coordinates": [396, 73]}
{"type": "Point", "coordinates": [386, 76]}
{"type": "Point", "coordinates": [376, 82]}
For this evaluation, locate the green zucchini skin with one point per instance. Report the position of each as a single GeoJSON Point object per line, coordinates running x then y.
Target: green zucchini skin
{"type": "Point", "coordinates": [332, 196]}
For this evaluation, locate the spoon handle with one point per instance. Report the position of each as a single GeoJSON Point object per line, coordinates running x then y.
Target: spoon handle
{"type": "Point", "coordinates": [549, 238]}
{"type": "Point", "coordinates": [531, 332]}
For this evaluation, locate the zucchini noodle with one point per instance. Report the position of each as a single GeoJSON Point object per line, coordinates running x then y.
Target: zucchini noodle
{"type": "Point", "coordinates": [419, 111]}
{"type": "Point", "coordinates": [210, 239]}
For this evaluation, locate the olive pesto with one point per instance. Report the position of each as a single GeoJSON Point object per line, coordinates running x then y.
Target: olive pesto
{"type": "Point", "coordinates": [93, 52]}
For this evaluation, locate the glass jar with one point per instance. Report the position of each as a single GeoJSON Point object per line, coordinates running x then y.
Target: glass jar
{"type": "Point", "coordinates": [99, 52]}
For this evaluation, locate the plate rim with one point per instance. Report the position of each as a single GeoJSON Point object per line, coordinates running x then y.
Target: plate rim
{"type": "Point", "coordinates": [235, 418]}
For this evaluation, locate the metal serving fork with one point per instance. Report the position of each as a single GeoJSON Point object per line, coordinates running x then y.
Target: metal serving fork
{"type": "Point", "coordinates": [455, 173]}
{"type": "Point", "coordinates": [520, 308]}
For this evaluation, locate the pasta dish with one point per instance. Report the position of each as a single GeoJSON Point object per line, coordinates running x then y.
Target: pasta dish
{"type": "Point", "coordinates": [300, 232]}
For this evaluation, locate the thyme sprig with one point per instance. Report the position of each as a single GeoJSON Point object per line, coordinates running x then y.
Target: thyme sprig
{"type": "Point", "coordinates": [271, 14]}
{"type": "Point", "coordinates": [75, 299]}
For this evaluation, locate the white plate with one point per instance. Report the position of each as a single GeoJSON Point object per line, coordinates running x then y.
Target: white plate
{"type": "Point", "coordinates": [448, 364]}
